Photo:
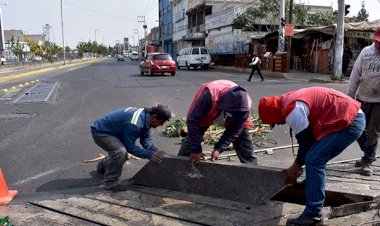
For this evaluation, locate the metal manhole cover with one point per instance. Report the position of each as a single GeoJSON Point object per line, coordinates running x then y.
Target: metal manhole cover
{"type": "Point", "coordinates": [41, 92]}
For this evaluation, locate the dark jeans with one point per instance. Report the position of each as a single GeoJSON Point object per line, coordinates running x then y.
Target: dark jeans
{"type": "Point", "coordinates": [369, 139]}
{"type": "Point", "coordinates": [243, 147]}
{"type": "Point", "coordinates": [255, 68]}
{"type": "Point", "coordinates": [113, 163]}
{"type": "Point", "coordinates": [317, 157]}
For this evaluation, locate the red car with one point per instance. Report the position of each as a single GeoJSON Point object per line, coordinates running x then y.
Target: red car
{"type": "Point", "coordinates": [158, 63]}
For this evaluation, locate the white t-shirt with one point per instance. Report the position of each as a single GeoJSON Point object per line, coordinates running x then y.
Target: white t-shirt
{"type": "Point", "coordinates": [298, 118]}
{"type": "Point", "coordinates": [255, 60]}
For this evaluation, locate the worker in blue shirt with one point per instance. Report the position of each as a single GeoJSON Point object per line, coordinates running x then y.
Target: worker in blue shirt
{"type": "Point", "coordinates": [117, 132]}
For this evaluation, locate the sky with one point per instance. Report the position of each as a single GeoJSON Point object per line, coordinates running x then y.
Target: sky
{"type": "Point", "coordinates": [110, 20]}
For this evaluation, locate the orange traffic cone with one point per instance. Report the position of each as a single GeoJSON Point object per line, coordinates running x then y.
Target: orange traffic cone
{"type": "Point", "coordinates": [5, 195]}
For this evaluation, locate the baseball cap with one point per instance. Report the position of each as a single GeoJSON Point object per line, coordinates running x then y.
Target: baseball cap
{"type": "Point", "coordinates": [161, 111]}
{"type": "Point", "coordinates": [377, 35]}
{"type": "Point", "coordinates": [236, 99]}
{"type": "Point", "coordinates": [270, 111]}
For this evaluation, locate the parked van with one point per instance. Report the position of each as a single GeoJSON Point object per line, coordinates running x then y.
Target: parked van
{"type": "Point", "coordinates": [134, 55]}
{"type": "Point", "coordinates": [194, 57]}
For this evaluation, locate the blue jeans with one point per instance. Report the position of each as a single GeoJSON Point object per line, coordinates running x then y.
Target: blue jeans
{"type": "Point", "coordinates": [317, 157]}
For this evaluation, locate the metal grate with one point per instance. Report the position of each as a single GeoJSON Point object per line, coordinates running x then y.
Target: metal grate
{"type": "Point", "coordinates": [41, 92]}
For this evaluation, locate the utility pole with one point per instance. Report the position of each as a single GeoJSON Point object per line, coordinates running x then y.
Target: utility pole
{"type": "Point", "coordinates": [136, 31]}
{"type": "Point", "coordinates": [63, 38]}
{"type": "Point", "coordinates": [339, 41]}
{"type": "Point", "coordinates": [2, 37]}
{"type": "Point", "coordinates": [141, 19]}
{"type": "Point", "coordinates": [289, 39]}
{"type": "Point", "coordinates": [281, 43]}
{"type": "Point", "coordinates": [95, 33]}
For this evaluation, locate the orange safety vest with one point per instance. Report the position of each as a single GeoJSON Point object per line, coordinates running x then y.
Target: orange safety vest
{"type": "Point", "coordinates": [330, 110]}
{"type": "Point", "coordinates": [217, 89]}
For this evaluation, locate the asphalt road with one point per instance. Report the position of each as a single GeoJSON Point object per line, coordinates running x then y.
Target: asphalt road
{"type": "Point", "coordinates": [43, 145]}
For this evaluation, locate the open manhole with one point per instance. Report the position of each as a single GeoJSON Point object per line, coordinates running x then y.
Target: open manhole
{"type": "Point", "coordinates": [342, 203]}
{"type": "Point", "coordinates": [41, 92]}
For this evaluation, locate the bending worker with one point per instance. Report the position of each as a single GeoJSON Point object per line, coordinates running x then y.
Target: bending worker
{"type": "Point", "coordinates": [325, 123]}
{"type": "Point", "coordinates": [117, 132]}
{"type": "Point", "coordinates": [220, 98]}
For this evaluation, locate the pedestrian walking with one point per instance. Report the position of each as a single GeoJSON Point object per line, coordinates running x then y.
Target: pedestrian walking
{"type": "Point", "coordinates": [255, 64]}
{"type": "Point", "coordinates": [347, 56]}
{"type": "Point", "coordinates": [364, 85]}
{"type": "Point", "coordinates": [325, 123]}
{"type": "Point", "coordinates": [219, 99]}
{"type": "Point", "coordinates": [117, 132]}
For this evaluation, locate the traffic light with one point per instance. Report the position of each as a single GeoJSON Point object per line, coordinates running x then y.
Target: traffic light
{"type": "Point", "coordinates": [346, 9]}
{"type": "Point", "coordinates": [283, 22]}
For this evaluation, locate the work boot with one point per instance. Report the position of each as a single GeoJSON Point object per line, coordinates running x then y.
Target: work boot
{"type": "Point", "coordinates": [100, 167]}
{"type": "Point", "coordinates": [305, 220]}
{"type": "Point", "coordinates": [366, 170]}
{"type": "Point", "coordinates": [359, 163]}
{"type": "Point", "coordinates": [116, 187]}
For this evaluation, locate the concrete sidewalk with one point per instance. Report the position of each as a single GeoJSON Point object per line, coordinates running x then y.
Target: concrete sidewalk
{"type": "Point", "coordinates": [291, 75]}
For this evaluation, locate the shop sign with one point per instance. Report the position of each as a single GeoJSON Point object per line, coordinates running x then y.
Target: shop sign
{"type": "Point", "coordinates": [360, 34]}
{"type": "Point", "coordinates": [289, 30]}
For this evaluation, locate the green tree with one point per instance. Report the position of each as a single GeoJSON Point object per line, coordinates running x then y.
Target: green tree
{"type": "Point", "coordinates": [52, 51]}
{"type": "Point", "coordinates": [67, 49]}
{"type": "Point", "coordinates": [300, 12]}
{"type": "Point", "coordinates": [16, 47]}
{"type": "Point", "coordinates": [320, 19]}
{"type": "Point", "coordinates": [36, 48]}
{"type": "Point", "coordinates": [267, 10]}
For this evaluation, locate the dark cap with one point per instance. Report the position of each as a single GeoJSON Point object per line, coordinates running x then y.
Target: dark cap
{"type": "Point", "coordinates": [377, 35]}
{"type": "Point", "coordinates": [236, 99]}
{"type": "Point", "coordinates": [162, 112]}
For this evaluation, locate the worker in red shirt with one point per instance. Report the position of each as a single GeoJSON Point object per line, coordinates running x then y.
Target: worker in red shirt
{"type": "Point", "coordinates": [215, 99]}
{"type": "Point", "coordinates": [325, 122]}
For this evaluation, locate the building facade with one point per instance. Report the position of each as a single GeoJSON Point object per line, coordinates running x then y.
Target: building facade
{"type": "Point", "coordinates": [179, 8]}
{"type": "Point", "coordinates": [166, 25]}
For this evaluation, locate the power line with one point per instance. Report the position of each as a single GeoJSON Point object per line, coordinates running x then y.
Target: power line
{"type": "Point", "coordinates": [148, 5]}
{"type": "Point", "coordinates": [99, 12]}
{"type": "Point", "coordinates": [149, 11]}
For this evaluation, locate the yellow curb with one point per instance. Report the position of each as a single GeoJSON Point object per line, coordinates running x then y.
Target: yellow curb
{"type": "Point", "coordinates": [19, 85]}
{"type": "Point", "coordinates": [31, 73]}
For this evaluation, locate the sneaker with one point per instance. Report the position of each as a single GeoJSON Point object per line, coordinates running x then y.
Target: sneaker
{"type": "Point", "coordinates": [306, 219]}
{"type": "Point", "coordinates": [358, 163]}
{"type": "Point", "coordinates": [366, 170]}
{"type": "Point", "coordinates": [248, 80]}
{"type": "Point", "coordinates": [116, 187]}
{"type": "Point", "coordinates": [100, 167]}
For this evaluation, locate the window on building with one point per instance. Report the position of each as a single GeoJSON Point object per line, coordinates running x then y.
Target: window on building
{"type": "Point", "coordinates": [209, 11]}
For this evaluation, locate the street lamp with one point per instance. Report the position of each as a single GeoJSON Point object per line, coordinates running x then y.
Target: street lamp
{"type": "Point", "coordinates": [63, 38]}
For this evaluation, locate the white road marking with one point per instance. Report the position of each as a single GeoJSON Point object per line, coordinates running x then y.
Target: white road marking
{"type": "Point", "coordinates": [36, 177]}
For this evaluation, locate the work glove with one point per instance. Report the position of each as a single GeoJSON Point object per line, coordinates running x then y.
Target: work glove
{"type": "Point", "coordinates": [157, 156]}
{"type": "Point", "coordinates": [196, 158]}
{"type": "Point", "coordinates": [215, 155]}
{"type": "Point", "coordinates": [292, 173]}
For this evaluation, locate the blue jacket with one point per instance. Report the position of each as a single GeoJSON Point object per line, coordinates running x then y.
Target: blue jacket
{"type": "Point", "coordinates": [128, 124]}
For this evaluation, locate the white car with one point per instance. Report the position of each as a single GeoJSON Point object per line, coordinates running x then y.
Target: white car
{"type": "Point", "coordinates": [194, 57]}
{"type": "Point", "coordinates": [134, 55]}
